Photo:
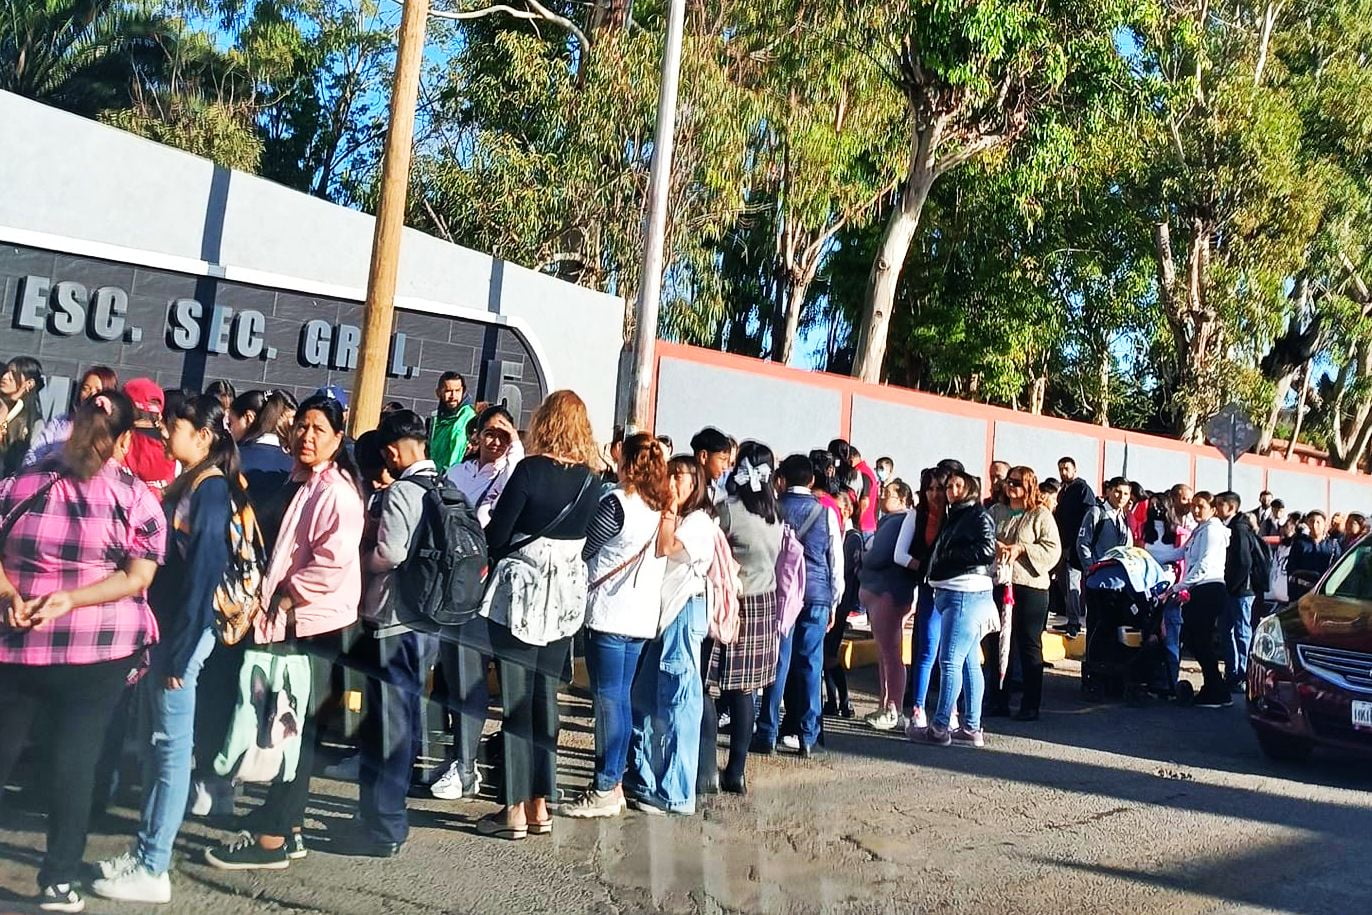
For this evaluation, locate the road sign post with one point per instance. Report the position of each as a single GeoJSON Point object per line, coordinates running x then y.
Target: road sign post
{"type": "Point", "coordinates": [1233, 433]}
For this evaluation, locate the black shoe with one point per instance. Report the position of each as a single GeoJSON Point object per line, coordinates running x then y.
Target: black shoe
{"type": "Point", "coordinates": [997, 711]}
{"type": "Point", "coordinates": [761, 747]}
{"type": "Point", "coordinates": [812, 752]}
{"type": "Point", "coordinates": [244, 854]}
{"type": "Point", "coordinates": [830, 709]}
{"type": "Point", "coordinates": [707, 784]}
{"type": "Point", "coordinates": [732, 785]}
{"type": "Point", "coordinates": [1214, 698]}
{"type": "Point", "coordinates": [847, 711]}
{"type": "Point", "coordinates": [1027, 715]}
{"type": "Point", "coordinates": [1071, 630]}
{"type": "Point", "coordinates": [61, 897]}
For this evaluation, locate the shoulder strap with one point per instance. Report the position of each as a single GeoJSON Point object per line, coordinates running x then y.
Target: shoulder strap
{"type": "Point", "coordinates": [561, 516]}
{"type": "Point", "coordinates": [623, 565]}
{"type": "Point", "coordinates": [26, 506]}
{"type": "Point", "coordinates": [810, 519]}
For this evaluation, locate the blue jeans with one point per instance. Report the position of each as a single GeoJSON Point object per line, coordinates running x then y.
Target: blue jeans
{"type": "Point", "coordinates": [1238, 636]}
{"type": "Point", "coordinates": [391, 735]}
{"type": "Point", "coordinates": [800, 663]}
{"type": "Point", "coordinates": [962, 615]}
{"type": "Point", "coordinates": [167, 774]}
{"type": "Point", "coordinates": [928, 632]}
{"type": "Point", "coordinates": [611, 662]}
{"type": "Point", "coordinates": [668, 697]}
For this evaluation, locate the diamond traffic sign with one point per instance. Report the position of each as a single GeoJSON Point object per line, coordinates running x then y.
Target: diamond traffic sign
{"type": "Point", "coordinates": [1232, 432]}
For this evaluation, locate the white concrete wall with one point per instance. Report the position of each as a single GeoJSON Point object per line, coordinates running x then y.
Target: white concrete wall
{"type": "Point", "coordinates": [1301, 492]}
{"type": "Point", "coordinates": [1155, 468]}
{"type": "Point", "coordinates": [1212, 474]}
{"type": "Point", "coordinates": [73, 181]}
{"type": "Point", "coordinates": [788, 418]}
{"type": "Point", "coordinates": [915, 439]}
{"type": "Point", "coordinates": [1040, 449]}
{"type": "Point", "coordinates": [1351, 496]}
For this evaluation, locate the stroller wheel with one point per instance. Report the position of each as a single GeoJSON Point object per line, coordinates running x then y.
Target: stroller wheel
{"type": "Point", "coordinates": [1186, 693]}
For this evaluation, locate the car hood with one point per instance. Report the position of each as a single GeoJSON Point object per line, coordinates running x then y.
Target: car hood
{"type": "Point", "coordinates": [1337, 622]}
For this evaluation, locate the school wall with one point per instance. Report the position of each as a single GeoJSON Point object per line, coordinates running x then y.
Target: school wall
{"type": "Point", "coordinates": [795, 410]}
{"type": "Point", "coordinates": [72, 186]}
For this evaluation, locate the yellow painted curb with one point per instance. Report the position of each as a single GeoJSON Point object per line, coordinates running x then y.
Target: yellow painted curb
{"type": "Point", "coordinates": [1054, 646]}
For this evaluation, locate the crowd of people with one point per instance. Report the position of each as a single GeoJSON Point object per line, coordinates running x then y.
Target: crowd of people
{"type": "Point", "coordinates": [210, 559]}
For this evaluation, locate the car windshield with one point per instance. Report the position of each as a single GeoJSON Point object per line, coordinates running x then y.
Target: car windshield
{"type": "Point", "coordinates": [1352, 576]}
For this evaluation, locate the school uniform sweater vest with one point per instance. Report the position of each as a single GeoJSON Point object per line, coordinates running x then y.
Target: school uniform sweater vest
{"type": "Point", "coordinates": [795, 511]}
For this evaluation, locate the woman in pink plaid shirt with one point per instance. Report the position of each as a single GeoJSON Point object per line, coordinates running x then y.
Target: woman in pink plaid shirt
{"type": "Point", "coordinates": [80, 541]}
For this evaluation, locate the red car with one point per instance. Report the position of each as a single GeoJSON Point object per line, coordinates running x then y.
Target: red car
{"type": "Point", "coordinates": [1310, 670]}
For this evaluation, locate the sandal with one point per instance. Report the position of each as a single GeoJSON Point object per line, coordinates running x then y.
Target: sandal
{"type": "Point", "coordinates": [541, 827]}
{"type": "Point", "coordinates": [493, 824]}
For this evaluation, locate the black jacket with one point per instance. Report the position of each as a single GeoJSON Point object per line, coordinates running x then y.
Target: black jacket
{"type": "Point", "coordinates": [1075, 500]}
{"type": "Point", "coordinates": [1238, 563]}
{"type": "Point", "coordinates": [966, 545]}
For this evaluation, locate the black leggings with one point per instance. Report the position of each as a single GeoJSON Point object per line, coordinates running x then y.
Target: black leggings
{"type": "Point", "coordinates": [1198, 619]}
{"type": "Point", "coordinates": [1027, 623]}
{"type": "Point", "coordinates": [835, 677]}
{"type": "Point", "coordinates": [742, 708]}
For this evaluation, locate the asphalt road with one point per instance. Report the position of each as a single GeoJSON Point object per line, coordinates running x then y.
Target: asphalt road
{"type": "Point", "coordinates": [1091, 809]}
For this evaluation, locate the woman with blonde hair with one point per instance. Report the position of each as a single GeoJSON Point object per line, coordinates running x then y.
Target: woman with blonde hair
{"type": "Point", "coordinates": [1028, 543]}
{"type": "Point", "coordinates": [536, 601]}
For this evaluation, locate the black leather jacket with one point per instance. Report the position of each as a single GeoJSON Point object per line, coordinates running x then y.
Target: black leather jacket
{"type": "Point", "coordinates": [966, 545]}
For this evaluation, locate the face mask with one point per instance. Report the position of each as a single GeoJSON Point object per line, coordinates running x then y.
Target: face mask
{"type": "Point", "coordinates": [884, 475]}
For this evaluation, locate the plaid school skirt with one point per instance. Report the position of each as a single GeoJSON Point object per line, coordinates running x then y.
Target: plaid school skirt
{"type": "Point", "coordinates": [751, 662]}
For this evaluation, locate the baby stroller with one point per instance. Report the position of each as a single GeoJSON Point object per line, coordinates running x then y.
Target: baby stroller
{"type": "Point", "coordinates": [1133, 630]}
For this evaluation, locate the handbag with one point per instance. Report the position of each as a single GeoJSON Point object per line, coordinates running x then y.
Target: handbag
{"type": "Point", "coordinates": [25, 507]}
{"type": "Point", "coordinates": [264, 737]}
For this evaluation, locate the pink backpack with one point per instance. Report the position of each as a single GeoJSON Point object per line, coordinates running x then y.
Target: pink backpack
{"type": "Point", "coordinates": [790, 580]}
{"type": "Point", "coordinates": [722, 578]}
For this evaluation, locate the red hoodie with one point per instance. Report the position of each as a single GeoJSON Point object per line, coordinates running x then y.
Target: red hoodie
{"type": "Point", "coordinates": [148, 459]}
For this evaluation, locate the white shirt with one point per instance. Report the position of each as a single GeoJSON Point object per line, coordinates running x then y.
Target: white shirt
{"type": "Point", "coordinates": [482, 484]}
{"type": "Point", "coordinates": [835, 544]}
{"type": "Point", "coordinates": [1205, 553]}
{"type": "Point", "coordinates": [686, 568]}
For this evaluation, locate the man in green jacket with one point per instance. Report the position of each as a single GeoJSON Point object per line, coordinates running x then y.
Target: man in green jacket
{"type": "Point", "coordinates": [448, 425]}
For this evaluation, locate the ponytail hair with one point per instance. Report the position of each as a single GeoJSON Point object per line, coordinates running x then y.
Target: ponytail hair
{"type": "Point", "coordinates": [205, 413]}
{"type": "Point", "coordinates": [644, 467]}
{"type": "Point", "coordinates": [96, 426]}
{"type": "Point", "coordinates": [273, 412]}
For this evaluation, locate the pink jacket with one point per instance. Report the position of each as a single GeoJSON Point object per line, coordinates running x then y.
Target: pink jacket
{"type": "Point", "coordinates": [317, 560]}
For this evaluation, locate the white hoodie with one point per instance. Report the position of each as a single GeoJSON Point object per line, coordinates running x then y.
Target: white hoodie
{"type": "Point", "coordinates": [1205, 554]}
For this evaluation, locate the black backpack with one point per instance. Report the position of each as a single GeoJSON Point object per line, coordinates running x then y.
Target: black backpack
{"type": "Point", "coordinates": [1261, 577]}
{"type": "Point", "coordinates": [444, 578]}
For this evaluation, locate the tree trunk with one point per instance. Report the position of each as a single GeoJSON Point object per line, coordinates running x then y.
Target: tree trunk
{"type": "Point", "coordinates": [890, 259]}
{"type": "Point", "coordinates": [1191, 322]}
{"type": "Point", "coordinates": [797, 288]}
{"type": "Point", "coordinates": [1269, 428]}
{"type": "Point", "coordinates": [1302, 401]}
{"type": "Point", "coordinates": [1102, 417]}
{"type": "Point", "coordinates": [1038, 392]}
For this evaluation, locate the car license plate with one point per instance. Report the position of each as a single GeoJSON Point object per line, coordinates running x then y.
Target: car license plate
{"type": "Point", "coordinates": [1362, 715]}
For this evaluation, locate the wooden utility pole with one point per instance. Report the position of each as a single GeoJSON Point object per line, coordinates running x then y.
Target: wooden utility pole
{"type": "Point", "coordinates": [378, 314]}
{"type": "Point", "coordinates": [650, 280]}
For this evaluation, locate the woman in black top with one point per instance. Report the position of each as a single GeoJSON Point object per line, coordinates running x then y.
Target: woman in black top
{"type": "Point", "coordinates": [537, 601]}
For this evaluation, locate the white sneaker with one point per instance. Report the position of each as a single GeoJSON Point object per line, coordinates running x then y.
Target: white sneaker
{"type": "Point", "coordinates": [136, 884]}
{"type": "Point", "coordinates": [116, 866]}
{"type": "Point", "coordinates": [594, 805]}
{"type": "Point", "coordinates": [885, 720]}
{"type": "Point", "coordinates": [346, 771]}
{"type": "Point", "coordinates": [953, 721]}
{"type": "Point", "coordinates": [791, 742]}
{"type": "Point", "coordinates": [920, 719]}
{"type": "Point", "coordinates": [454, 785]}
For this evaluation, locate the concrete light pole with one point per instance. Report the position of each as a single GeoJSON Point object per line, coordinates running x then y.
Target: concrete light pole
{"type": "Point", "coordinates": [650, 282]}
{"type": "Point", "coordinates": [378, 314]}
